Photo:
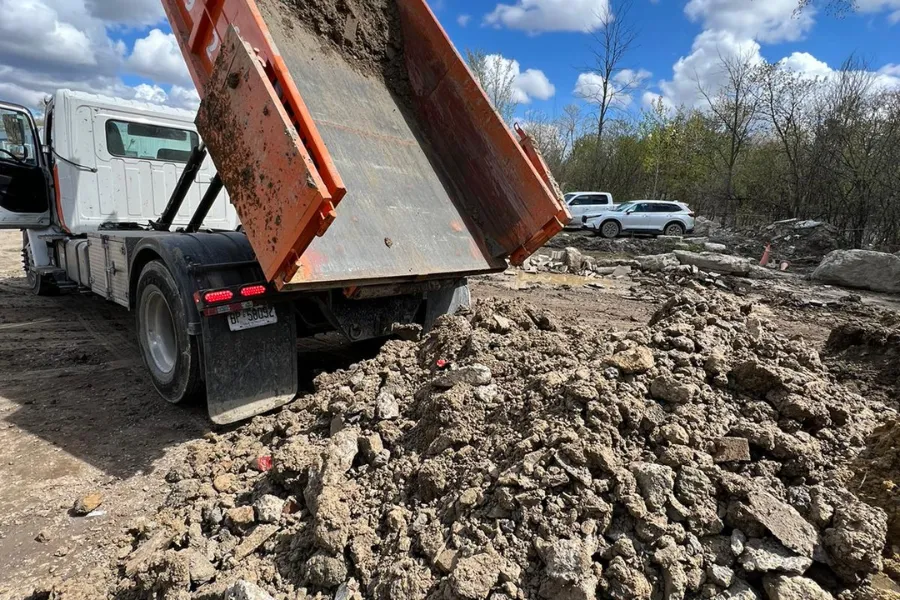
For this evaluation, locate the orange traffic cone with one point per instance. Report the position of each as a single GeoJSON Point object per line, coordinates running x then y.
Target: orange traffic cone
{"type": "Point", "coordinates": [766, 256]}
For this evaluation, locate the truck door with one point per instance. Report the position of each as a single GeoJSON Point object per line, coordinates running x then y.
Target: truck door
{"type": "Point", "coordinates": [24, 179]}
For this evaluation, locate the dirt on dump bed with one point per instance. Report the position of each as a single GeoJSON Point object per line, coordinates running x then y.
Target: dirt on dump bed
{"type": "Point", "coordinates": [368, 33]}
{"type": "Point", "coordinates": [510, 455]}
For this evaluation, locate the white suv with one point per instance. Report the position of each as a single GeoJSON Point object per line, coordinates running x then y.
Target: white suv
{"type": "Point", "coordinates": [587, 203]}
{"type": "Point", "coordinates": [642, 216]}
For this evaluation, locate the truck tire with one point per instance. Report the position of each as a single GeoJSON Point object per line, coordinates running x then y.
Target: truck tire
{"type": "Point", "coordinates": [39, 284]}
{"type": "Point", "coordinates": [171, 355]}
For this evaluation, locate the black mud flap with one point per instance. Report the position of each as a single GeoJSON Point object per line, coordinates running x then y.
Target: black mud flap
{"type": "Point", "coordinates": [249, 372]}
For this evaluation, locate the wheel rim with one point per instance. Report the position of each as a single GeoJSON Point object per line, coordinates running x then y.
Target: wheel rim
{"type": "Point", "coordinates": [159, 330]}
{"type": "Point", "coordinates": [610, 230]}
{"type": "Point", "coordinates": [673, 230]}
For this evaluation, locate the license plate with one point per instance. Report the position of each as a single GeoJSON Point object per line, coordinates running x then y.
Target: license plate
{"type": "Point", "coordinates": [251, 318]}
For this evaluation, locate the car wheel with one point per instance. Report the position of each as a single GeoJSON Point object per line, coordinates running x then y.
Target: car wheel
{"type": "Point", "coordinates": [39, 284]}
{"type": "Point", "coordinates": [171, 355]}
{"type": "Point", "coordinates": [675, 229]}
{"type": "Point", "coordinates": [610, 230]}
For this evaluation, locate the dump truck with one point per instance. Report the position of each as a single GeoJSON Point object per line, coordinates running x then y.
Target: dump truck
{"type": "Point", "coordinates": [359, 175]}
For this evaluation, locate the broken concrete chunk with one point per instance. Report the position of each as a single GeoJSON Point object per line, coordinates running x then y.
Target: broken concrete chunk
{"type": "Point", "coordinates": [732, 449]}
{"type": "Point", "coordinates": [655, 481]}
{"type": "Point", "coordinates": [783, 522]}
{"type": "Point", "coordinates": [472, 375]}
{"type": "Point", "coordinates": [386, 406]}
{"type": "Point", "coordinates": [768, 555]}
{"type": "Point", "coordinates": [782, 587]}
{"type": "Point", "coordinates": [254, 540]}
{"type": "Point", "coordinates": [241, 515]}
{"type": "Point", "coordinates": [268, 509]}
{"type": "Point", "coordinates": [244, 590]}
{"type": "Point", "coordinates": [474, 577]}
{"type": "Point", "coordinates": [636, 360]}
{"type": "Point", "coordinates": [669, 389]}
{"type": "Point", "coordinates": [856, 539]}
{"type": "Point", "coordinates": [326, 571]}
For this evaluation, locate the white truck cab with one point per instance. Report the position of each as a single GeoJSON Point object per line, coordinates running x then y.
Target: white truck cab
{"type": "Point", "coordinates": [582, 204]}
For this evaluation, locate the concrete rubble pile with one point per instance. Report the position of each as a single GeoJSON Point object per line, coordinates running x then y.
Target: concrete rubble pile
{"type": "Point", "coordinates": [510, 456]}
{"type": "Point", "coordinates": [680, 266]}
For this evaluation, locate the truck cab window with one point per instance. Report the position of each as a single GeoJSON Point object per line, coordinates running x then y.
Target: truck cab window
{"type": "Point", "coordinates": [149, 142]}
{"type": "Point", "coordinates": [17, 143]}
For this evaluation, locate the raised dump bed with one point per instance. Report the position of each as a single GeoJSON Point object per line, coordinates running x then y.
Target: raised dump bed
{"type": "Point", "coordinates": [355, 144]}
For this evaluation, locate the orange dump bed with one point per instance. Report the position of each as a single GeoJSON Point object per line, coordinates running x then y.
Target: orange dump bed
{"type": "Point", "coordinates": [341, 179]}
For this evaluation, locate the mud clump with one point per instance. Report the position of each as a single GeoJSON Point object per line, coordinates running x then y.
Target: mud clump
{"type": "Point", "coordinates": [367, 33]}
{"type": "Point", "coordinates": [539, 461]}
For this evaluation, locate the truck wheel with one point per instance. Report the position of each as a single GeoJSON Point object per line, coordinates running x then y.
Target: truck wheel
{"type": "Point", "coordinates": [170, 354]}
{"type": "Point", "coordinates": [40, 285]}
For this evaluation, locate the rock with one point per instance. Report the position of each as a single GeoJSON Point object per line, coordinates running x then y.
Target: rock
{"type": "Point", "coordinates": [254, 540]}
{"type": "Point", "coordinates": [386, 406]}
{"type": "Point", "coordinates": [445, 561]}
{"type": "Point", "coordinates": [782, 587]}
{"type": "Point", "coordinates": [43, 536]}
{"type": "Point", "coordinates": [326, 571]}
{"type": "Point", "coordinates": [241, 516]}
{"type": "Point", "coordinates": [862, 269]}
{"type": "Point", "coordinates": [625, 583]}
{"type": "Point", "coordinates": [472, 375]}
{"type": "Point", "coordinates": [88, 503]}
{"type": "Point", "coordinates": [658, 262]}
{"type": "Point", "coordinates": [244, 590]}
{"type": "Point", "coordinates": [655, 481]}
{"type": "Point", "coordinates": [739, 590]}
{"type": "Point", "coordinates": [268, 509]}
{"type": "Point", "coordinates": [636, 360]}
{"type": "Point", "coordinates": [675, 434]}
{"type": "Point", "coordinates": [718, 263]}
{"type": "Point", "coordinates": [572, 258]}
{"type": "Point", "coordinates": [566, 560]}
{"type": "Point", "coordinates": [620, 272]}
{"type": "Point", "coordinates": [669, 389]}
{"type": "Point", "coordinates": [371, 446]}
{"type": "Point", "coordinates": [331, 526]}
{"type": "Point", "coordinates": [768, 555]}
{"type": "Point", "coordinates": [731, 449]}
{"type": "Point", "coordinates": [855, 540]}
{"type": "Point", "coordinates": [784, 522]}
{"type": "Point", "coordinates": [713, 247]}
{"type": "Point", "coordinates": [201, 570]}
{"type": "Point", "coordinates": [474, 577]}
{"type": "Point", "coordinates": [719, 575]}
{"type": "Point", "coordinates": [224, 483]}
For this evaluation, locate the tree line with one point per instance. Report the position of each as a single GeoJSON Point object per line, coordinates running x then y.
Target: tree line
{"type": "Point", "coordinates": [765, 145]}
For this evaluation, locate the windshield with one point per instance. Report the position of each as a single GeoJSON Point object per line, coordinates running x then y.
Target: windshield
{"type": "Point", "coordinates": [16, 137]}
{"type": "Point", "coordinates": [569, 197]}
{"type": "Point", "coordinates": [626, 206]}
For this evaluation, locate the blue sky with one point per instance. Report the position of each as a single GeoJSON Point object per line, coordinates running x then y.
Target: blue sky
{"type": "Point", "coordinates": [124, 48]}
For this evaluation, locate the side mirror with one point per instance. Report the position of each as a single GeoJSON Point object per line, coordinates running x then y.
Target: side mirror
{"type": "Point", "coordinates": [628, 212]}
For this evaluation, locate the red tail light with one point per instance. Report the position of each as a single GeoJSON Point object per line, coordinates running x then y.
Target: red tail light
{"type": "Point", "coordinates": [220, 296]}
{"type": "Point", "coordinates": [253, 290]}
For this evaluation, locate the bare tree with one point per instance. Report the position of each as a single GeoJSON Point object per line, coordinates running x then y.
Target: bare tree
{"type": "Point", "coordinates": [734, 109]}
{"type": "Point", "coordinates": [497, 77]}
{"type": "Point", "coordinates": [614, 82]}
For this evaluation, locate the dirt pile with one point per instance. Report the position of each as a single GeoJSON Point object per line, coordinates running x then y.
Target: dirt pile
{"type": "Point", "coordinates": [865, 355]}
{"type": "Point", "coordinates": [510, 456]}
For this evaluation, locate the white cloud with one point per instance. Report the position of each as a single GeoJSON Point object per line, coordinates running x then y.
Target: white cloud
{"type": "Point", "coordinates": [129, 13]}
{"type": "Point", "coordinates": [650, 99]}
{"type": "Point", "coordinates": [589, 86]}
{"type": "Point", "coordinates": [47, 45]}
{"type": "Point", "coordinates": [877, 6]}
{"type": "Point", "coordinates": [181, 97]}
{"type": "Point", "coordinates": [702, 68]}
{"type": "Point", "coordinates": [549, 15]}
{"type": "Point", "coordinates": [463, 20]}
{"type": "Point", "coordinates": [767, 21]}
{"type": "Point", "coordinates": [534, 84]}
{"type": "Point", "coordinates": [158, 57]}
{"type": "Point", "coordinates": [527, 86]}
